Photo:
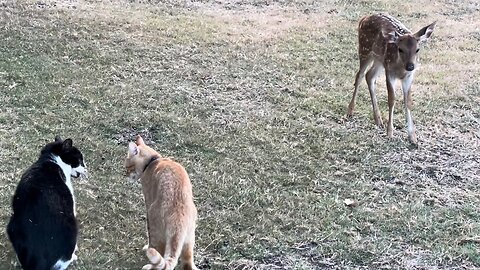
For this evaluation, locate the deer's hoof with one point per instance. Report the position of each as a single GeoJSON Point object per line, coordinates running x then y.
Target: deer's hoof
{"type": "Point", "coordinates": [413, 142]}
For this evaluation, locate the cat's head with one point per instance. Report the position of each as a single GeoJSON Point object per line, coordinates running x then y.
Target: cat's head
{"type": "Point", "coordinates": [67, 155]}
{"type": "Point", "coordinates": [138, 155]}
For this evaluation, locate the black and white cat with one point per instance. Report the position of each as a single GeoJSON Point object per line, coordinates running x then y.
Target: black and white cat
{"type": "Point", "coordinates": [43, 227]}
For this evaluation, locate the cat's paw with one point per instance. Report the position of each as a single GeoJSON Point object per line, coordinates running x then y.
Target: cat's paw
{"type": "Point", "coordinates": [152, 267]}
{"type": "Point", "coordinates": [155, 258]}
{"type": "Point", "coordinates": [148, 267]}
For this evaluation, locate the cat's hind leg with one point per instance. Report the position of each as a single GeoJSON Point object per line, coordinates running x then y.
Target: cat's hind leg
{"type": "Point", "coordinates": [186, 257]}
{"type": "Point", "coordinates": [173, 250]}
{"type": "Point", "coordinates": [74, 256]}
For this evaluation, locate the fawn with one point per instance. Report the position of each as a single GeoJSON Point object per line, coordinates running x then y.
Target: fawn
{"type": "Point", "coordinates": [385, 43]}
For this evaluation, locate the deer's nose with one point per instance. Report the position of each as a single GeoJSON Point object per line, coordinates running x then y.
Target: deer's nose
{"type": "Point", "coordinates": [410, 67]}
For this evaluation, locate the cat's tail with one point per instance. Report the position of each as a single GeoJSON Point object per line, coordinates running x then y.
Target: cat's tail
{"type": "Point", "coordinates": [156, 260]}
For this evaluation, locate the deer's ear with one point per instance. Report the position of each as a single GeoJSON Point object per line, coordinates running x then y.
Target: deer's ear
{"type": "Point", "coordinates": [390, 37]}
{"type": "Point", "coordinates": [424, 34]}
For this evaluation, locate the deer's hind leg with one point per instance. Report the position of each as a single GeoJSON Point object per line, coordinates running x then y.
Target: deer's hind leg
{"type": "Point", "coordinates": [365, 62]}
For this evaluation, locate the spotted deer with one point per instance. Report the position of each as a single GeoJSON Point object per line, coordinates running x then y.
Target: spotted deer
{"type": "Point", "coordinates": [384, 43]}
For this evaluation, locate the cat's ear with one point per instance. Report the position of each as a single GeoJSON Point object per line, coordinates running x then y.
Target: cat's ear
{"type": "Point", "coordinates": [67, 144]}
{"type": "Point", "coordinates": [133, 149]}
{"type": "Point", "coordinates": [139, 140]}
{"type": "Point", "coordinates": [58, 138]}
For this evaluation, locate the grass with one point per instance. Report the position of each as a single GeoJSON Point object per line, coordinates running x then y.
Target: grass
{"type": "Point", "coordinates": [250, 96]}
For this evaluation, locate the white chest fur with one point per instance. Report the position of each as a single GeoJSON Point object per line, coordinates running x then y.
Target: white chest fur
{"type": "Point", "coordinates": [67, 171]}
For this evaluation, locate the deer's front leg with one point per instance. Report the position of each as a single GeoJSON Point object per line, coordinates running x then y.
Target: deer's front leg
{"type": "Point", "coordinates": [371, 78]}
{"type": "Point", "coordinates": [407, 98]}
{"type": "Point", "coordinates": [391, 80]}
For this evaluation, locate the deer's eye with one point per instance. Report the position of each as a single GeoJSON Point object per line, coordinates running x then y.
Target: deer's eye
{"type": "Point", "coordinates": [400, 50]}
{"type": "Point", "coordinates": [417, 50]}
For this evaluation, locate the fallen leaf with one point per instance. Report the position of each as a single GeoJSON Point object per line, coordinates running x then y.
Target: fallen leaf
{"type": "Point", "coordinates": [350, 203]}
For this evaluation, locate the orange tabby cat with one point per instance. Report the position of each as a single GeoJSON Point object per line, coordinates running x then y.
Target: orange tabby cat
{"type": "Point", "coordinates": [171, 213]}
